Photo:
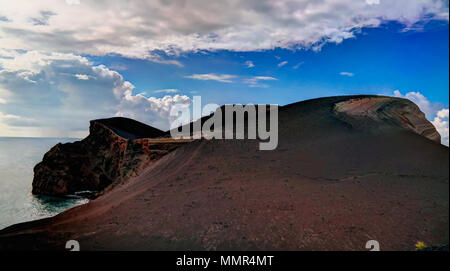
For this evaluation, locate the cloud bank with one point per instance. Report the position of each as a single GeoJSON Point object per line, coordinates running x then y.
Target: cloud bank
{"type": "Point", "coordinates": [56, 94]}
{"type": "Point", "coordinates": [137, 29]}
{"type": "Point", "coordinates": [47, 86]}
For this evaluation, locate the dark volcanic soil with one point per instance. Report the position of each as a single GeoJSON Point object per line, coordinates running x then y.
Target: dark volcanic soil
{"type": "Point", "coordinates": [330, 185]}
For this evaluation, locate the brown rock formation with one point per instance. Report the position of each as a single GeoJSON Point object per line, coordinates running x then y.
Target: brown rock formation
{"type": "Point", "coordinates": [387, 112]}
{"type": "Point", "coordinates": [115, 149]}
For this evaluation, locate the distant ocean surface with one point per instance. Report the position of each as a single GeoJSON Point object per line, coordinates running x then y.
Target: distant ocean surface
{"type": "Point", "coordinates": [18, 156]}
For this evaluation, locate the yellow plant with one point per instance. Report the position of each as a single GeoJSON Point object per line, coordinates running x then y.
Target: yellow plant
{"type": "Point", "coordinates": [420, 245]}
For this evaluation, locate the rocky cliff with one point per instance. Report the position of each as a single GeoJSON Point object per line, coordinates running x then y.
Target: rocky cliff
{"type": "Point", "coordinates": [115, 149]}
{"type": "Point", "coordinates": [385, 112]}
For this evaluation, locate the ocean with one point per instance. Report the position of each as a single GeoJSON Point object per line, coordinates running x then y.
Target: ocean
{"type": "Point", "coordinates": [18, 156]}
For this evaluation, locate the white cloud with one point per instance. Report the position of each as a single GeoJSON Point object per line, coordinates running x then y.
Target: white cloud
{"type": "Point", "coordinates": [16, 120]}
{"type": "Point", "coordinates": [138, 29]}
{"type": "Point", "coordinates": [151, 110]}
{"type": "Point", "coordinates": [255, 81]}
{"type": "Point", "coordinates": [433, 111]}
{"type": "Point", "coordinates": [118, 67]}
{"type": "Point", "coordinates": [33, 61]}
{"type": "Point", "coordinates": [45, 96]}
{"type": "Point", "coordinates": [281, 64]}
{"type": "Point", "coordinates": [249, 64]}
{"type": "Point", "coordinates": [430, 109]}
{"type": "Point", "coordinates": [443, 114]}
{"type": "Point", "coordinates": [224, 78]}
{"type": "Point", "coordinates": [373, 2]}
{"type": "Point", "coordinates": [441, 124]}
{"type": "Point", "coordinates": [349, 74]}
{"type": "Point", "coordinates": [296, 66]}
{"type": "Point", "coordinates": [158, 59]}
{"type": "Point", "coordinates": [264, 78]}
{"type": "Point", "coordinates": [82, 76]}
{"type": "Point", "coordinates": [73, 2]}
{"type": "Point", "coordinates": [167, 91]}
{"type": "Point", "coordinates": [17, 129]}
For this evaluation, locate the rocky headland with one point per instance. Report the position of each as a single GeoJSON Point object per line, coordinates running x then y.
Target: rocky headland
{"type": "Point", "coordinates": [346, 170]}
{"type": "Point", "coordinates": [115, 150]}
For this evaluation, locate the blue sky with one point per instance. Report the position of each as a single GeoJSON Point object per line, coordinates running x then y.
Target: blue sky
{"type": "Point", "coordinates": [65, 62]}
{"type": "Point", "coordinates": [376, 61]}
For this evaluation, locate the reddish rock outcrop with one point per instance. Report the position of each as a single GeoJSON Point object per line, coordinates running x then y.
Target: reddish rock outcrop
{"type": "Point", "coordinates": [387, 112]}
{"type": "Point", "coordinates": [113, 151]}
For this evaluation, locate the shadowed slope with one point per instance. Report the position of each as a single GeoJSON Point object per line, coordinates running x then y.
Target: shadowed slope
{"type": "Point", "coordinates": [129, 128]}
{"type": "Point", "coordinates": [115, 149]}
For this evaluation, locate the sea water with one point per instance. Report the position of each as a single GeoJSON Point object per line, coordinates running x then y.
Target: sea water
{"type": "Point", "coordinates": [18, 156]}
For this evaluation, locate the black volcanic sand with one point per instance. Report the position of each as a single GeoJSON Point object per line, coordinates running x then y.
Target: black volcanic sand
{"type": "Point", "coordinates": [130, 129]}
{"type": "Point", "coordinates": [326, 187]}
